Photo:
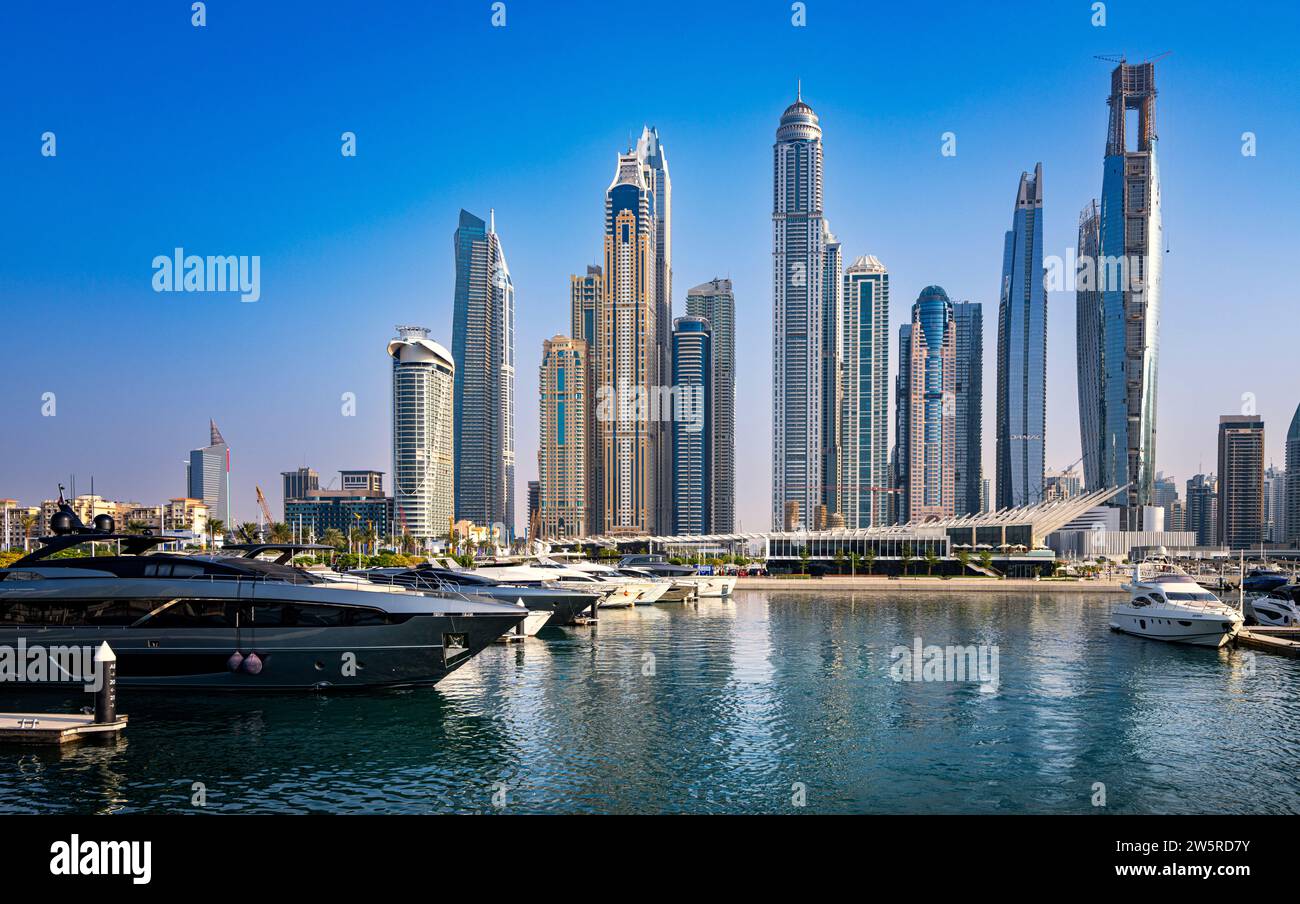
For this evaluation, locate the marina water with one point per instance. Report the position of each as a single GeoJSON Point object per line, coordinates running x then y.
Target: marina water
{"type": "Point", "coordinates": [771, 702]}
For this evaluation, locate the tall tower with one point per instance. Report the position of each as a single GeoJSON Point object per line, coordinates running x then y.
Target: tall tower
{"type": "Point", "coordinates": [799, 237]}
{"type": "Point", "coordinates": [483, 347]}
{"type": "Point", "coordinates": [1131, 231]}
{"type": "Point", "coordinates": [1088, 329]}
{"type": "Point", "coordinates": [423, 430]}
{"type": "Point", "coordinates": [562, 446]}
{"type": "Point", "coordinates": [832, 360]}
{"type": "Point", "coordinates": [864, 395]}
{"type": "Point", "coordinates": [209, 476]}
{"type": "Point", "coordinates": [715, 302]}
{"type": "Point", "coordinates": [654, 165]}
{"type": "Point", "coordinates": [1022, 352]}
{"type": "Point", "coordinates": [1292, 531]}
{"type": "Point", "coordinates": [900, 505]}
{"type": "Point", "coordinates": [1241, 481]}
{"type": "Point", "coordinates": [628, 357]}
{"type": "Point", "coordinates": [692, 428]}
{"type": "Point", "coordinates": [585, 299]}
{"type": "Point", "coordinates": [932, 408]}
{"type": "Point", "coordinates": [968, 404]}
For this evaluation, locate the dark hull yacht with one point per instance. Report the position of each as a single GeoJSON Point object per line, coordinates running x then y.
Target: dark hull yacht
{"type": "Point", "coordinates": [236, 622]}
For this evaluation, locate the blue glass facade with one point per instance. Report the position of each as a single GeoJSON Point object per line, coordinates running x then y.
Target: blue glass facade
{"type": "Point", "coordinates": [692, 432]}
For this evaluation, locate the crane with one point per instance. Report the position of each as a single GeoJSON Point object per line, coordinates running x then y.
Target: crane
{"type": "Point", "coordinates": [266, 509]}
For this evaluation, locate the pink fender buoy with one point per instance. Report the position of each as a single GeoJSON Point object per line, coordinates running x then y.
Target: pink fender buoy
{"type": "Point", "coordinates": [252, 664]}
{"type": "Point", "coordinates": [235, 661]}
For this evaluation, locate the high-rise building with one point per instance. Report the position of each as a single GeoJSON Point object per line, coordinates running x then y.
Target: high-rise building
{"type": "Point", "coordinates": [986, 495]}
{"type": "Point", "coordinates": [654, 166]}
{"type": "Point", "coordinates": [1088, 320]}
{"type": "Point", "coordinates": [1274, 505]}
{"type": "Point", "coordinates": [1202, 509]}
{"type": "Point", "coordinates": [298, 483]}
{"type": "Point", "coordinates": [932, 409]}
{"type": "Point", "coordinates": [584, 305]}
{"type": "Point", "coordinates": [483, 348]}
{"type": "Point", "coordinates": [534, 509]}
{"type": "Point", "coordinates": [968, 402]}
{"type": "Point", "coordinates": [1022, 352]}
{"type": "Point", "coordinates": [1241, 481]}
{"type": "Point", "coordinates": [864, 395]}
{"type": "Point", "coordinates": [899, 503]}
{"type": "Point", "coordinates": [365, 481]}
{"type": "Point", "coordinates": [627, 357]}
{"type": "Point", "coordinates": [1293, 480]}
{"type": "Point", "coordinates": [585, 301]}
{"type": "Point", "coordinates": [692, 426]}
{"type": "Point", "coordinates": [1130, 232]}
{"type": "Point", "coordinates": [1164, 493]}
{"type": "Point", "coordinates": [562, 447]}
{"type": "Point", "coordinates": [831, 365]}
{"type": "Point", "coordinates": [423, 431]}
{"type": "Point", "coordinates": [207, 476]}
{"type": "Point", "coordinates": [798, 274]}
{"type": "Point", "coordinates": [715, 302]}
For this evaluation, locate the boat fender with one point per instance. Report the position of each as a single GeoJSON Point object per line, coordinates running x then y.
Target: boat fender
{"type": "Point", "coordinates": [235, 661]}
{"type": "Point", "coordinates": [252, 664]}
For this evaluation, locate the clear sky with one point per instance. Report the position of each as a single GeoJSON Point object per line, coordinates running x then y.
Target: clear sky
{"type": "Point", "coordinates": [226, 140]}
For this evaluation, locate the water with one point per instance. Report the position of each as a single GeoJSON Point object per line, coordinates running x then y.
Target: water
{"type": "Point", "coordinates": [726, 708]}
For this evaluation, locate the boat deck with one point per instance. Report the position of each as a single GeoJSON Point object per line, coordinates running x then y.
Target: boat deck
{"type": "Point", "coordinates": [54, 728]}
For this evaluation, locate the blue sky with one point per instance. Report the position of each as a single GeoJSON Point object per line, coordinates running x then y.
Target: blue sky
{"type": "Point", "coordinates": [225, 140]}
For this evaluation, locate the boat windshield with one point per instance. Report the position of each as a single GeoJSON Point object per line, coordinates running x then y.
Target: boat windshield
{"type": "Point", "coordinates": [1185, 596]}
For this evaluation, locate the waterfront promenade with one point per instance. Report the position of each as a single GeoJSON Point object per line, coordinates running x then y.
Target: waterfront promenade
{"type": "Point", "coordinates": [837, 583]}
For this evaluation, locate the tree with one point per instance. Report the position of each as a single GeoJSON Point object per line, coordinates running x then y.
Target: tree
{"type": "Point", "coordinates": [931, 560]}
{"type": "Point", "coordinates": [905, 559]}
{"type": "Point", "coordinates": [986, 559]}
{"type": "Point", "coordinates": [135, 527]}
{"type": "Point", "coordinates": [27, 522]}
{"type": "Point", "coordinates": [854, 559]}
{"type": "Point", "coordinates": [248, 532]}
{"type": "Point", "coordinates": [804, 556]}
{"type": "Point", "coordinates": [871, 560]}
{"type": "Point", "coordinates": [215, 526]}
{"type": "Point", "coordinates": [334, 537]}
{"type": "Point", "coordinates": [964, 557]}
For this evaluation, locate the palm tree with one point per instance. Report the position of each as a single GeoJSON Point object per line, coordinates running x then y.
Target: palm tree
{"type": "Point", "coordinates": [27, 522]}
{"type": "Point", "coordinates": [986, 559]}
{"type": "Point", "coordinates": [135, 527]}
{"type": "Point", "coordinates": [854, 559]}
{"type": "Point", "coordinates": [248, 531]}
{"type": "Point", "coordinates": [931, 560]}
{"type": "Point", "coordinates": [281, 532]}
{"type": "Point", "coordinates": [871, 560]}
{"type": "Point", "coordinates": [333, 537]}
{"type": "Point", "coordinates": [215, 526]}
{"type": "Point", "coordinates": [964, 558]}
{"type": "Point", "coordinates": [804, 556]}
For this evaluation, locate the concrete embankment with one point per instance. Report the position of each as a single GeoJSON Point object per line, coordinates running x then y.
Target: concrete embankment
{"type": "Point", "coordinates": [929, 585]}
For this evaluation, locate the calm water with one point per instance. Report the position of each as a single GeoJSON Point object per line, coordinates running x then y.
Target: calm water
{"type": "Point", "coordinates": [745, 699]}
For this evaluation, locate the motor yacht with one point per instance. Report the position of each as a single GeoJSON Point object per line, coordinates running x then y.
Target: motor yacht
{"type": "Point", "coordinates": [1279, 608]}
{"type": "Point", "coordinates": [235, 622]}
{"type": "Point", "coordinates": [1167, 604]}
{"type": "Point", "coordinates": [705, 585]}
{"type": "Point", "coordinates": [650, 589]}
{"type": "Point", "coordinates": [616, 593]}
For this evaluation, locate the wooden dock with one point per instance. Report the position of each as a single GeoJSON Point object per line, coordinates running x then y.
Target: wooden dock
{"type": "Point", "coordinates": [54, 728]}
{"type": "Point", "coordinates": [1285, 641]}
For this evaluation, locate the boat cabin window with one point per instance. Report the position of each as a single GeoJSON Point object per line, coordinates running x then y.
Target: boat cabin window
{"type": "Point", "coordinates": [171, 570]}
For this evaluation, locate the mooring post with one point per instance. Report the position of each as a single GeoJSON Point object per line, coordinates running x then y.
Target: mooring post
{"type": "Point", "coordinates": [106, 696]}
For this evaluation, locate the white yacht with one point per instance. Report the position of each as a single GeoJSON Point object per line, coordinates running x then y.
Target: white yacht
{"type": "Point", "coordinates": [1167, 604]}
{"type": "Point", "coordinates": [1279, 608]}
{"type": "Point", "coordinates": [542, 571]}
{"type": "Point", "coordinates": [650, 588]}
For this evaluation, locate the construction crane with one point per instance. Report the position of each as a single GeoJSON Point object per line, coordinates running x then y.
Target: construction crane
{"type": "Point", "coordinates": [266, 509]}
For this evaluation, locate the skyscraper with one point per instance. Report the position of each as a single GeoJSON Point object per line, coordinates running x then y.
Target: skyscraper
{"type": "Point", "coordinates": [1293, 480]}
{"type": "Point", "coordinates": [799, 269]}
{"type": "Point", "coordinates": [715, 302]}
{"type": "Point", "coordinates": [654, 165]}
{"type": "Point", "coordinates": [864, 395]}
{"type": "Point", "coordinates": [932, 409]}
{"type": "Point", "coordinates": [562, 446]}
{"type": "Point", "coordinates": [692, 431]}
{"type": "Point", "coordinates": [1088, 321]}
{"type": "Point", "coordinates": [968, 400]}
{"type": "Point", "coordinates": [585, 293]}
{"type": "Point", "coordinates": [1202, 513]}
{"type": "Point", "coordinates": [627, 356]}
{"type": "Point", "coordinates": [297, 484]}
{"type": "Point", "coordinates": [1241, 481]}
{"type": "Point", "coordinates": [208, 476]}
{"type": "Point", "coordinates": [483, 347]}
{"type": "Point", "coordinates": [1274, 505]}
{"type": "Point", "coordinates": [1022, 352]}
{"type": "Point", "coordinates": [423, 430]}
{"type": "Point", "coordinates": [1130, 231]}
{"type": "Point", "coordinates": [900, 505]}
{"type": "Point", "coordinates": [585, 301]}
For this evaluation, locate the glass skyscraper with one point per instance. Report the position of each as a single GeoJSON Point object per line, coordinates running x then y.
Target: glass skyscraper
{"type": "Point", "coordinates": [562, 446]}
{"type": "Point", "coordinates": [1293, 479]}
{"type": "Point", "coordinates": [208, 476]}
{"type": "Point", "coordinates": [483, 347]}
{"type": "Point", "coordinates": [968, 400]}
{"type": "Point", "coordinates": [799, 278]}
{"type": "Point", "coordinates": [1128, 272]}
{"type": "Point", "coordinates": [1241, 481]}
{"type": "Point", "coordinates": [864, 395]}
{"type": "Point", "coordinates": [692, 431]}
{"type": "Point", "coordinates": [1088, 331]}
{"type": "Point", "coordinates": [715, 302]}
{"type": "Point", "coordinates": [654, 166]}
{"type": "Point", "coordinates": [1022, 352]}
{"type": "Point", "coordinates": [900, 507]}
{"type": "Point", "coordinates": [932, 408]}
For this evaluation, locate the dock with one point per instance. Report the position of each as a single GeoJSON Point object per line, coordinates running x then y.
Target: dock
{"type": "Point", "coordinates": [1284, 641]}
{"type": "Point", "coordinates": [55, 728]}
